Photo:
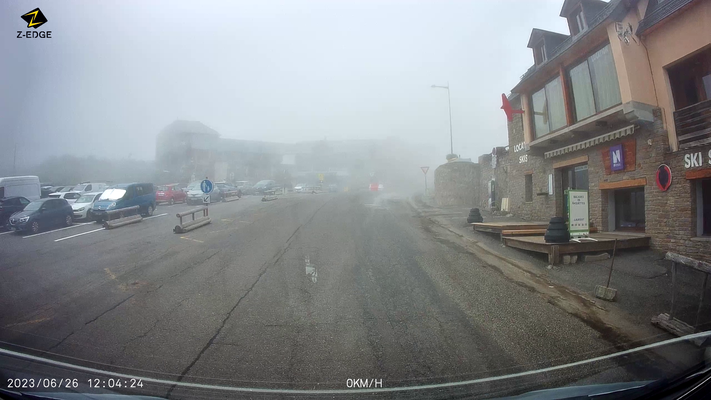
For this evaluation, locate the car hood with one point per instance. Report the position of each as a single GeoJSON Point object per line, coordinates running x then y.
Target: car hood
{"type": "Point", "coordinates": [102, 205]}
{"type": "Point", "coordinates": [195, 192]}
{"type": "Point", "coordinates": [24, 214]}
{"type": "Point", "coordinates": [76, 206]}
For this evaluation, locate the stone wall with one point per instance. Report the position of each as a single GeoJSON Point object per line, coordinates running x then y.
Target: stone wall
{"type": "Point", "coordinates": [523, 162]}
{"type": "Point", "coordinates": [499, 173]}
{"type": "Point", "coordinates": [457, 184]}
{"type": "Point", "coordinates": [671, 219]}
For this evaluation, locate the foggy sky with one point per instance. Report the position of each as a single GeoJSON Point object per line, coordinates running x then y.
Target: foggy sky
{"type": "Point", "coordinates": [116, 72]}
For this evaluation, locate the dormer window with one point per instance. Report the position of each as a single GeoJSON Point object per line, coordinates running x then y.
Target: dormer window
{"type": "Point", "coordinates": [539, 53]}
{"type": "Point", "coordinates": [577, 22]}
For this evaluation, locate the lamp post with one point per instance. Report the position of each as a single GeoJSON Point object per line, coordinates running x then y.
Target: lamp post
{"type": "Point", "coordinates": [449, 102]}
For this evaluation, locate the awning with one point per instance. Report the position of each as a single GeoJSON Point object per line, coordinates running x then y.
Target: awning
{"type": "Point", "coordinates": [591, 142]}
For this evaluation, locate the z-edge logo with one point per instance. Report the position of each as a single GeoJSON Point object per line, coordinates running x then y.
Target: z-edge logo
{"type": "Point", "coordinates": [34, 18]}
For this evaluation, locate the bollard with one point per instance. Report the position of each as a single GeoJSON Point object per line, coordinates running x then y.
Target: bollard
{"type": "Point", "coordinates": [232, 196]}
{"type": "Point", "coordinates": [121, 217]}
{"type": "Point", "coordinates": [194, 223]}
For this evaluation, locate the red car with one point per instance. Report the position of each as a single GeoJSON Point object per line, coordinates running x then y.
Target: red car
{"type": "Point", "coordinates": [170, 194]}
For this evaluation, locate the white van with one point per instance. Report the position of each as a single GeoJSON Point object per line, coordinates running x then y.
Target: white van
{"type": "Point", "coordinates": [25, 186]}
{"type": "Point", "coordinates": [86, 187]}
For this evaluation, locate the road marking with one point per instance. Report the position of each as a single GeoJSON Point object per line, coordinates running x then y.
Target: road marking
{"type": "Point", "coordinates": [194, 240]}
{"type": "Point", "coordinates": [57, 230]}
{"type": "Point", "coordinates": [79, 234]}
{"type": "Point", "coordinates": [109, 273]}
{"type": "Point", "coordinates": [28, 322]}
{"type": "Point", "coordinates": [5, 233]}
{"type": "Point", "coordinates": [155, 216]}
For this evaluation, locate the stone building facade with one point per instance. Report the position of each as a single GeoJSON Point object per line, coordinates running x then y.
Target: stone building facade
{"type": "Point", "coordinates": [648, 116]}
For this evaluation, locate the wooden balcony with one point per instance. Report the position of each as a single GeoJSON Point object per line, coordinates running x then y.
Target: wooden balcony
{"type": "Point", "coordinates": [693, 125]}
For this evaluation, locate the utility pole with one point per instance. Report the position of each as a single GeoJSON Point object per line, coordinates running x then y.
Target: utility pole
{"type": "Point", "coordinates": [449, 103]}
{"type": "Point", "coordinates": [14, 161]}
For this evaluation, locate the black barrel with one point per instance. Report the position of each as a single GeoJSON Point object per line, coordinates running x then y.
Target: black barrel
{"type": "Point", "coordinates": [475, 216]}
{"type": "Point", "coordinates": [557, 231]}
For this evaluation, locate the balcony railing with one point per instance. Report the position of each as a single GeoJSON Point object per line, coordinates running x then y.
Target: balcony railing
{"type": "Point", "coordinates": [693, 125]}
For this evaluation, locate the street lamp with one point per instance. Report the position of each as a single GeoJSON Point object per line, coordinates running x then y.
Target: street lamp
{"type": "Point", "coordinates": [449, 101]}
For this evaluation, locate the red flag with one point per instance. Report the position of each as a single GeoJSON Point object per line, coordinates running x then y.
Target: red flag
{"type": "Point", "coordinates": [506, 106]}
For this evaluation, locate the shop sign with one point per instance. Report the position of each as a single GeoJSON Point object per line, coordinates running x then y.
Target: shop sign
{"type": "Point", "coordinates": [664, 177]}
{"type": "Point", "coordinates": [617, 158]}
{"type": "Point", "coordinates": [693, 160]}
{"type": "Point", "coordinates": [578, 213]}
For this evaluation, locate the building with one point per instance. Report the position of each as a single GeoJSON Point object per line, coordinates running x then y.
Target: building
{"type": "Point", "coordinates": [625, 94]}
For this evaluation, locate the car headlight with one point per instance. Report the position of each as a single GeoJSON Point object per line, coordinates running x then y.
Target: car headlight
{"type": "Point", "coordinates": [112, 205]}
{"type": "Point", "coordinates": [24, 219]}
{"type": "Point", "coordinates": [80, 209]}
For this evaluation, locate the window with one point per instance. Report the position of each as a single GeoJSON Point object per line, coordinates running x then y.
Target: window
{"type": "Point", "coordinates": [87, 188]}
{"type": "Point", "coordinates": [576, 177]}
{"type": "Point", "coordinates": [594, 84]}
{"type": "Point", "coordinates": [23, 201]}
{"type": "Point", "coordinates": [703, 207]}
{"type": "Point", "coordinates": [579, 23]}
{"type": "Point", "coordinates": [529, 188]}
{"type": "Point", "coordinates": [629, 209]}
{"type": "Point", "coordinates": [540, 54]}
{"type": "Point", "coordinates": [549, 108]}
{"type": "Point", "coordinates": [72, 196]}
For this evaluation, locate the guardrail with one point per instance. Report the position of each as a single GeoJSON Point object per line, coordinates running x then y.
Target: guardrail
{"type": "Point", "coordinates": [193, 223]}
{"type": "Point", "coordinates": [124, 216]}
{"type": "Point", "coordinates": [233, 195]}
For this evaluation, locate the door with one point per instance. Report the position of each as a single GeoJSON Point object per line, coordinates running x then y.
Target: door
{"type": "Point", "coordinates": [49, 215]}
{"type": "Point", "coordinates": [575, 177]}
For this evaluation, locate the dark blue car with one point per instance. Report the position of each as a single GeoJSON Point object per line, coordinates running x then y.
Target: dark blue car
{"type": "Point", "coordinates": [11, 205]}
{"type": "Point", "coordinates": [125, 195]}
{"type": "Point", "coordinates": [41, 214]}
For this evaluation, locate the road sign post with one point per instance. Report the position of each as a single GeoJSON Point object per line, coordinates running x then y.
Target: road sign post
{"type": "Point", "coordinates": [424, 171]}
{"type": "Point", "coordinates": [206, 187]}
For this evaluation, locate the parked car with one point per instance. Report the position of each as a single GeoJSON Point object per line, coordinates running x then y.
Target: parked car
{"type": "Point", "coordinates": [81, 208]}
{"type": "Point", "coordinates": [40, 214]}
{"type": "Point", "coordinates": [265, 186]}
{"type": "Point", "coordinates": [170, 194]}
{"type": "Point", "coordinates": [195, 193]}
{"type": "Point", "coordinates": [90, 187]}
{"type": "Point", "coordinates": [300, 188]}
{"type": "Point", "coordinates": [11, 205]}
{"type": "Point", "coordinates": [25, 186]}
{"type": "Point", "coordinates": [126, 195]}
{"type": "Point", "coordinates": [244, 186]}
{"type": "Point", "coordinates": [70, 197]}
{"type": "Point", "coordinates": [226, 187]}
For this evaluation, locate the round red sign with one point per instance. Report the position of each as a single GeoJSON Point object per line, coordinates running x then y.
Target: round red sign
{"type": "Point", "coordinates": [664, 177]}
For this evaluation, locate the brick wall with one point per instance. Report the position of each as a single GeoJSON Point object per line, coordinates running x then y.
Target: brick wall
{"type": "Point", "coordinates": [672, 217]}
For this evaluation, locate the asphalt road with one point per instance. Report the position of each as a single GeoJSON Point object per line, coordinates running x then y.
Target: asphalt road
{"type": "Point", "coordinates": [236, 303]}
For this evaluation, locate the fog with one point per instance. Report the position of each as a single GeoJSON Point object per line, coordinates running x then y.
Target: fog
{"type": "Point", "coordinates": [114, 74]}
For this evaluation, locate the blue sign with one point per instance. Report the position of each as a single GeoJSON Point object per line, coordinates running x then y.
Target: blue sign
{"type": "Point", "coordinates": [617, 158]}
{"type": "Point", "coordinates": [206, 186]}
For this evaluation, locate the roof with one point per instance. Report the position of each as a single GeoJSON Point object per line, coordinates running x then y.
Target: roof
{"type": "Point", "coordinates": [569, 5]}
{"type": "Point", "coordinates": [603, 15]}
{"type": "Point", "coordinates": [537, 34]}
{"type": "Point", "coordinates": [657, 12]}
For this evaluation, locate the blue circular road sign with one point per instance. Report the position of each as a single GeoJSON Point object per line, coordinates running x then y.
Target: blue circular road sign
{"type": "Point", "coordinates": [206, 186]}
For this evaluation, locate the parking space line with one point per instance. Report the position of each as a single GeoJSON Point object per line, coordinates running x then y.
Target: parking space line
{"type": "Point", "coordinates": [194, 240]}
{"type": "Point", "coordinates": [57, 230]}
{"type": "Point", "coordinates": [154, 216]}
{"type": "Point", "coordinates": [5, 233]}
{"type": "Point", "coordinates": [79, 234]}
